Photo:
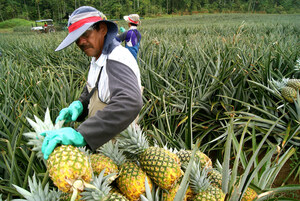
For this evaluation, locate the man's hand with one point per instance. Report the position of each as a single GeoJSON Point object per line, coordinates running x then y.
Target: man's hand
{"type": "Point", "coordinates": [65, 136]}
{"type": "Point", "coordinates": [70, 113]}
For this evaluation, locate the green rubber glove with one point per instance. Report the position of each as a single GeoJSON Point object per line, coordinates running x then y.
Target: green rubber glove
{"type": "Point", "coordinates": [122, 29]}
{"type": "Point", "coordinates": [65, 136]}
{"type": "Point", "coordinates": [70, 113]}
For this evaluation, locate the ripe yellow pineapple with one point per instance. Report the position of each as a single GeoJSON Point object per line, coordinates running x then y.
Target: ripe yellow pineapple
{"type": "Point", "coordinates": [249, 195]}
{"type": "Point", "coordinates": [169, 195]}
{"type": "Point", "coordinates": [161, 165]}
{"type": "Point", "coordinates": [131, 177]}
{"type": "Point", "coordinates": [185, 156]}
{"type": "Point", "coordinates": [100, 162]}
{"type": "Point", "coordinates": [69, 168]}
{"type": "Point", "coordinates": [131, 180]}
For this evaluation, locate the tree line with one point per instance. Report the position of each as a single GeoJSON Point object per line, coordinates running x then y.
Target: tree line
{"type": "Point", "coordinates": [115, 9]}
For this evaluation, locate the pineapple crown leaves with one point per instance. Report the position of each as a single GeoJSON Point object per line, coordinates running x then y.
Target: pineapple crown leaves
{"type": "Point", "coordinates": [199, 179]}
{"type": "Point", "coordinates": [39, 126]}
{"type": "Point", "coordinates": [112, 151]}
{"type": "Point", "coordinates": [37, 192]}
{"type": "Point", "coordinates": [133, 140]}
{"type": "Point", "coordinates": [279, 85]}
{"type": "Point", "coordinates": [99, 188]}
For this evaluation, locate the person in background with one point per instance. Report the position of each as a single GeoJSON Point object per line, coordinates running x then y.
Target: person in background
{"type": "Point", "coordinates": [132, 36]}
{"type": "Point", "coordinates": [111, 99]}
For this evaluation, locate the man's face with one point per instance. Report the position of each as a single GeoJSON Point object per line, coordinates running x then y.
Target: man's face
{"type": "Point", "coordinates": [92, 41]}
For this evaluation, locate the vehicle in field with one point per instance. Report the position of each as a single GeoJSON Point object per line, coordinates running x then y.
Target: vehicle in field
{"type": "Point", "coordinates": [43, 26]}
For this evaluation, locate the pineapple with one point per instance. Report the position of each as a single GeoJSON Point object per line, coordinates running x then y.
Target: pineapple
{"type": "Point", "coordinates": [100, 162]}
{"type": "Point", "coordinates": [102, 190]}
{"type": "Point", "coordinates": [131, 178]}
{"type": "Point", "coordinates": [294, 83]}
{"type": "Point", "coordinates": [249, 195]}
{"type": "Point", "coordinates": [215, 178]}
{"type": "Point", "coordinates": [69, 168]}
{"type": "Point", "coordinates": [160, 164]}
{"type": "Point", "coordinates": [289, 94]}
{"type": "Point", "coordinates": [185, 156]}
{"type": "Point", "coordinates": [170, 194]}
{"type": "Point", "coordinates": [288, 88]}
{"type": "Point", "coordinates": [201, 185]}
{"type": "Point", "coordinates": [37, 192]}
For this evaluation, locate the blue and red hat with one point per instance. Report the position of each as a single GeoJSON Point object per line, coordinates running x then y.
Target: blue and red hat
{"type": "Point", "coordinates": [83, 18]}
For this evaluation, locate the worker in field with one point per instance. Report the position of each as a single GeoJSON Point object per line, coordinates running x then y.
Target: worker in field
{"type": "Point", "coordinates": [132, 36]}
{"type": "Point", "coordinates": [111, 99]}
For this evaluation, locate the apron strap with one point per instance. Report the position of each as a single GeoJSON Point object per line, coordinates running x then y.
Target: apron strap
{"type": "Point", "coordinates": [96, 85]}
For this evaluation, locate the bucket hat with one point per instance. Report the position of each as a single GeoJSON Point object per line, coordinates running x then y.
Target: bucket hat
{"type": "Point", "coordinates": [133, 18]}
{"type": "Point", "coordinates": [83, 18]}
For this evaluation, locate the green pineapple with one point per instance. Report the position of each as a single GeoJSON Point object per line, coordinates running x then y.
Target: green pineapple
{"type": "Point", "coordinates": [69, 168]}
{"type": "Point", "coordinates": [289, 93]}
{"type": "Point", "coordinates": [201, 185]}
{"type": "Point", "coordinates": [285, 86]}
{"type": "Point", "coordinates": [160, 164]}
{"type": "Point", "coordinates": [294, 83]}
{"type": "Point", "coordinates": [37, 192]}
{"type": "Point", "coordinates": [102, 190]}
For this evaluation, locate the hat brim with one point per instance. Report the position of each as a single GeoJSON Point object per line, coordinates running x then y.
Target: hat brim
{"type": "Point", "coordinates": [74, 35]}
{"type": "Point", "coordinates": [126, 18]}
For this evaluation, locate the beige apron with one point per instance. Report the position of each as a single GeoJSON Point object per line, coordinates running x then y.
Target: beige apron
{"type": "Point", "coordinates": [95, 103]}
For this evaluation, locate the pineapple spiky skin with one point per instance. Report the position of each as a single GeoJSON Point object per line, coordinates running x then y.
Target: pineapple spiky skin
{"type": "Point", "coordinates": [170, 194]}
{"type": "Point", "coordinates": [215, 178]}
{"type": "Point", "coordinates": [294, 83]}
{"type": "Point", "coordinates": [100, 162]}
{"type": "Point", "coordinates": [67, 164]}
{"type": "Point", "coordinates": [185, 156]}
{"type": "Point", "coordinates": [116, 197]}
{"type": "Point", "coordinates": [67, 197]}
{"type": "Point", "coordinates": [131, 180]}
{"type": "Point", "coordinates": [289, 94]}
{"type": "Point", "coordinates": [249, 195]}
{"type": "Point", "coordinates": [162, 168]}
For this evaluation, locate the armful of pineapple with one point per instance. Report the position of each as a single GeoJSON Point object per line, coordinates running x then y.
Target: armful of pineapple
{"type": "Point", "coordinates": [65, 136]}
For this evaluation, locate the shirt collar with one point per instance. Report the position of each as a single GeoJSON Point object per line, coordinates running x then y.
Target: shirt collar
{"type": "Point", "coordinates": [132, 27]}
{"type": "Point", "coordinates": [100, 61]}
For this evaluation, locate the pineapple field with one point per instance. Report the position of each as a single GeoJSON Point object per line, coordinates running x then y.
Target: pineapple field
{"type": "Point", "coordinates": [220, 120]}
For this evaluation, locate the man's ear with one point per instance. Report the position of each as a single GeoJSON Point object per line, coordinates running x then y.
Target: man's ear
{"type": "Point", "coordinates": [103, 28]}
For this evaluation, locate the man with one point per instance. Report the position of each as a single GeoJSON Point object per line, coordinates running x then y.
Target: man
{"type": "Point", "coordinates": [132, 37]}
{"type": "Point", "coordinates": [112, 96]}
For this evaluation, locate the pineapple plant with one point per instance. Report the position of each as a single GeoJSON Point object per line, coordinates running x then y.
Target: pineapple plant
{"type": "Point", "coordinates": [69, 168]}
{"type": "Point", "coordinates": [102, 190]}
{"type": "Point", "coordinates": [131, 177]}
{"type": "Point", "coordinates": [161, 165]}
{"type": "Point", "coordinates": [201, 186]}
{"type": "Point", "coordinates": [185, 156]}
{"type": "Point", "coordinates": [37, 192]}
